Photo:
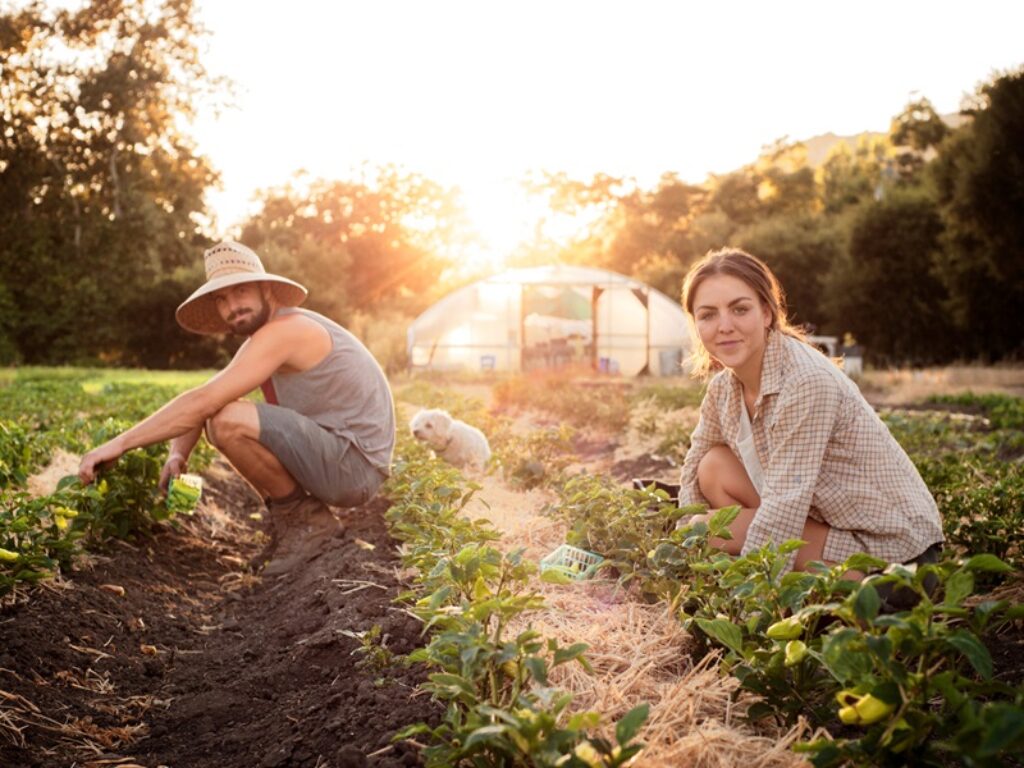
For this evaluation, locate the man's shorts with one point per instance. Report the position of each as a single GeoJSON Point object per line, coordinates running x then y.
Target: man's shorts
{"type": "Point", "coordinates": [326, 465]}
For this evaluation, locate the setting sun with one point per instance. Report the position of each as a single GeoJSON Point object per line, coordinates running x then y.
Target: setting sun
{"type": "Point", "coordinates": [507, 217]}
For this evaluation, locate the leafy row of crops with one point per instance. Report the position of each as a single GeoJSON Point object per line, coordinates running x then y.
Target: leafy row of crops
{"type": "Point", "coordinates": [42, 413]}
{"type": "Point", "coordinates": [500, 707]}
{"type": "Point", "coordinates": [884, 681]}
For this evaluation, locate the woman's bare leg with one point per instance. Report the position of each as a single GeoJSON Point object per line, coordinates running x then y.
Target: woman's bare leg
{"type": "Point", "coordinates": [724, 482]}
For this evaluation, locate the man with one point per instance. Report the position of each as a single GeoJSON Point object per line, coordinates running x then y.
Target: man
{"type": "Point", "coordinates": [325, 434]}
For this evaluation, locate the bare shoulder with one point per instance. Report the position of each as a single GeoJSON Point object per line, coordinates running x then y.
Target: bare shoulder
{"type": "Point", "coordinates": [299, 341]}
{"type": "Point", "coordinates": [294, 324]}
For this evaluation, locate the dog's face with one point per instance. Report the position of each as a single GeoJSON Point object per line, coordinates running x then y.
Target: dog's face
{"type": "Point", "coordinates": [432, 426]}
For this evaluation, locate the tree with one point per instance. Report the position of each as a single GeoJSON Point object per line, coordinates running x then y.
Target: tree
{"type": "Point", "coordinates": [800, 250]}
{"type": "Point", "coordinates": [885, 291]}
{"type": "Point", "coordinates": [785, 182]}
{"type": "Point", "coordinates": [633, 231]}
{"type": "Point", "coordinates": [979, 178]}
{"type": "Point", "coordinates": [384, 239]}
{"type": "Point", "coordinates": [99, 188]}
{"type": "Point", "coordinates": [849, 177]}
{"type": "Point", "coordinates": [917, 129]}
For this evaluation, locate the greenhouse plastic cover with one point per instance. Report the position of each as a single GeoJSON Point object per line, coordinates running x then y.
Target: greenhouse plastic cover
{"type": "Point", "coordinates": [552, 317]}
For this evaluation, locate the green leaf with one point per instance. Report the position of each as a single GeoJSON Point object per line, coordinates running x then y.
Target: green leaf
{"type": "Point", "coordinates": [759, 710]}
{"type": "Point", "coordinates": [976, 653]}
{"type": "Point", "coordinates": [630, 723]}
{"type": "Point", "coordinates": [889, 692]}
{"type": "Point", "coordinates": [957, 587]}
{"type": "Point", "coordinates": [718, 525]}
{"type": "Point", "coordinates": [68, 481]}
{"type": "Point", "coordinates": [1004, 730]}
{"type": "Point", "coordinates": [584, 721]}
{"type": "Point", "coordinates": [863, 563]}
{"type": "Point", "coordinates": [791, 546]}
{"type": "Point", "coordinates": [454, 685]}
{"type": "Point", "coordinates": [844, 655]}
{"type": "Point", "coordinates": [724, 631]}
{"type": "Point", "coordinates": [563, 655]}
{"type": "Point", "coordinates": [537, 668]}
{"type": "Point", "coordinates": [485, 735]}
{"type": "Point", "coordinates": [989, 563]}
{"type": "Point", "coordinates": [412, 730]}
{"type": "Point", "coordinates": [866, 602]}
{"type": "Point", "coordinates": [880, 646]}
{"type": "Point", "coordinates": [555, 576]}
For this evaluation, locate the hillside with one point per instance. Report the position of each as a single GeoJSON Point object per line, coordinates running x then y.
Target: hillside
{"type": "Point", "coordinates": [819, 147]}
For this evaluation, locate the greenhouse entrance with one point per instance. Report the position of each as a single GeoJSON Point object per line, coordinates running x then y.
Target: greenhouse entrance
{"type": "Point", "coordinates": [561, 328]}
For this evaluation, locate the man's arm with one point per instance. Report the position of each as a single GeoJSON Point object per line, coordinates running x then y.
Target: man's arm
{"type": "Point", "coordinates": [273, 345]}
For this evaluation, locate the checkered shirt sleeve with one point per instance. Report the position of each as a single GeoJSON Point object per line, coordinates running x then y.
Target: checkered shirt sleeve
{"type": "Point", "coordinates": [707, 434]}
{"type": "Point", "coordinates": [804, 416]}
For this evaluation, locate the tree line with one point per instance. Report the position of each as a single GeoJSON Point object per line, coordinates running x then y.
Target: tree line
{"type": "Point", "coordinates": [911, 242]}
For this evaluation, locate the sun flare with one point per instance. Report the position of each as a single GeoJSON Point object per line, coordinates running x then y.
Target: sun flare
{"type": "Point", "coordinates": [508, 220]}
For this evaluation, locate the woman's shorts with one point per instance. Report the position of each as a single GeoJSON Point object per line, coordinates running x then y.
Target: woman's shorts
{"type": "Point", "coordinates": [327, 466]}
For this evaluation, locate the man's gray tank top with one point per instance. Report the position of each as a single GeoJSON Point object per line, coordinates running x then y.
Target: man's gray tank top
{"type": "Point", "coordinates": [346, 393]}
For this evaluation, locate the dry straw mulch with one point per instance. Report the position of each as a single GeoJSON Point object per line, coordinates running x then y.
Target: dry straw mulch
{"type": "Point", "coordinates": [639, 653]}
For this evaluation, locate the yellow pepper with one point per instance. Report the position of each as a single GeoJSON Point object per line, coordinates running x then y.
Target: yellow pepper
{"type": "Point", "coordinates": [586, 752]}
{"type": "Point", "coordinates": [862, 709]}
{"type": "Point", "coordinates": [8, 556]}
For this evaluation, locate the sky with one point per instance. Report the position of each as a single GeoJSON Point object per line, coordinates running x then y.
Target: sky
{"type": "Point", "coordinates": [479, 94]}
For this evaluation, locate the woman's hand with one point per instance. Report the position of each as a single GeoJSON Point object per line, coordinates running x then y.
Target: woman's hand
{"type": "Point", "coordinates": [174, 466]}
{"type": "Point", "coordinates": [94, 460]}
{"type": "Point", "coordinates": [685, 522]}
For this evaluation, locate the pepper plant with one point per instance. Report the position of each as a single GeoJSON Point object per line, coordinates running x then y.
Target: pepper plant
{"type": "Point", "coordinates": [494, 680]}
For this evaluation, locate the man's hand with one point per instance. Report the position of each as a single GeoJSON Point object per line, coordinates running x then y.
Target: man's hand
{"type": "Point", "coordinates": [107, 453]}
{"type": "Point", "coordinates": [174, 466]}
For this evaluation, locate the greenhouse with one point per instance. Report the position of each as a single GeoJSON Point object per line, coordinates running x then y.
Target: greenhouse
{"type": "Point", "coordinates": [554, 317]}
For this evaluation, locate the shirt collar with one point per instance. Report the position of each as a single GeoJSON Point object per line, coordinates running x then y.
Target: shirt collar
{"type": "Point", "coordinates": [772, 372]}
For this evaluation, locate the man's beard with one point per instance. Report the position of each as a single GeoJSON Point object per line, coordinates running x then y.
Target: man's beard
{"type": "Point", "coordinates": [247, 323]}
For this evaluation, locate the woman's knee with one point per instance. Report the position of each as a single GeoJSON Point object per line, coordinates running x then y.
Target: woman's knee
{"type": "Point", "coordinates": [714, 464]}
{"type": "Point", "coordinates": [723, 480]}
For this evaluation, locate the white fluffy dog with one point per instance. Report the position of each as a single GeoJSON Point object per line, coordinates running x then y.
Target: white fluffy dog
{"type": "Point", "coordinates": [455, 441]}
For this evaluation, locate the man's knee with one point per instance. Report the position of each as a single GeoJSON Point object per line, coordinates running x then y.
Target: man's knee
{"type": "Point", "coordinates": [233, 421]}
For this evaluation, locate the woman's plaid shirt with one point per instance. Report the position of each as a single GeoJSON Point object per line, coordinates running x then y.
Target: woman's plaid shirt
{"type": "Point", "coordinates": [825, 453]}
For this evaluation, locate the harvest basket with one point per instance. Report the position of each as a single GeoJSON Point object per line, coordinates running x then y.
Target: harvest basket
{"type": "Point", "coordinates": [576, 563]}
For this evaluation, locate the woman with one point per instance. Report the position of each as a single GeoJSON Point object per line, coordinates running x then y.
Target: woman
{"type": "Point", "coordinates": [787, 436]}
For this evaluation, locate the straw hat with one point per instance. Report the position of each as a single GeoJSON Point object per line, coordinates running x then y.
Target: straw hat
{"type": "Point", "coordinates": [230, 263]}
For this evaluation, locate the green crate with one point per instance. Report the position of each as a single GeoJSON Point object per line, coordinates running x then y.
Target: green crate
{"type": "Point", "coordinates": [576, 563]}
{"type": "Point", "coordinates": [183, 493]}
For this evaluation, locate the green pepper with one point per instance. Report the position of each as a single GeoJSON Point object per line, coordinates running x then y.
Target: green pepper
{"type": "Point", "coordinates": [8, 556]}
{"type": "Point", "coordinates": [795, 652]}
{"type": "Point", "coordinates": [786, 629]}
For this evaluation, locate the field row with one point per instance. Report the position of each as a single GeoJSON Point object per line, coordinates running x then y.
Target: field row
{"type": "Point", "coordinates": [878, 683]}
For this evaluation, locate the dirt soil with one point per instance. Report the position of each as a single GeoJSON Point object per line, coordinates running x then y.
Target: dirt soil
{"type": "Point", "coordinates": [169, 652]}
